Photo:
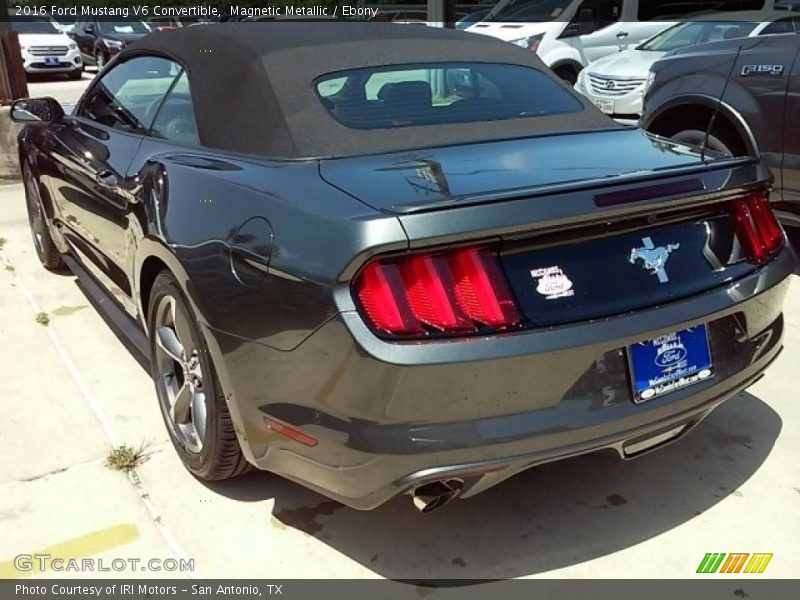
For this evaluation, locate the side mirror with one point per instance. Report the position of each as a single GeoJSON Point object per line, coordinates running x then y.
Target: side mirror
{"type": "Point", "coordinates": [36, 110]}
{"type": "Point", "coordinates": [88, 28]}
{"type": "Point", "coordinates": [585, 23]}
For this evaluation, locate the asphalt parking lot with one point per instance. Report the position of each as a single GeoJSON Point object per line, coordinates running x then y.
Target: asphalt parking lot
{"type": "Point", "coordinates": [70, 392]}
{"type": "Point", "coordinates": [59, 87]}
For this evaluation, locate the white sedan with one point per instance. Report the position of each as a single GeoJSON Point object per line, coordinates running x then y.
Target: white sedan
{"type": "Point", "coordinates": [616, 83]}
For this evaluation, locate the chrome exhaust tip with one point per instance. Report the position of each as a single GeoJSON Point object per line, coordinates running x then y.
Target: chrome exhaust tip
{"type": "Point", "coordinates": [430, 496]}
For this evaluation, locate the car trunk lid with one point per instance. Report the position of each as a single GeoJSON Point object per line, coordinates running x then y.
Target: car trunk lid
{"type": "Point", "coordinates": [439, 178]}
{"type": "Point", "coordinates": [625, 229]}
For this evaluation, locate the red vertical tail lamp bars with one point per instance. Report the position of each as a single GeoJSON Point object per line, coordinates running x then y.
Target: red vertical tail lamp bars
{"type": "Point", "coordinates": [756, 227]}
{"type": "Point", "coordinates": [455, 292]}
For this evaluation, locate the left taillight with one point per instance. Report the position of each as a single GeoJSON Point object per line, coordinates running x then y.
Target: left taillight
{"type": "Point", "coordinates": [759, 232]}
{"type": "Point", "coordinates": [453, 292]}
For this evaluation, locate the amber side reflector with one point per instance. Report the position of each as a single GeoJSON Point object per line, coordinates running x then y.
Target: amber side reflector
{"type": "Point", "coordinates": [292, 434]}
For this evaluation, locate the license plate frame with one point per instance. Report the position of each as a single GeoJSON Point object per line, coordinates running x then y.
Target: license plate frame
{"type": "Point", "coordinates": [605, 106]}
{"type": "Point", "coordinates": [669, 363]}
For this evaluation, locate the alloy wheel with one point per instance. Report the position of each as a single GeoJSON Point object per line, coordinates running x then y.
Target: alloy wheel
{"type": "Point", "coordinates": [35, 213]}
{"type": "Point", "coordinates": [180, 374]}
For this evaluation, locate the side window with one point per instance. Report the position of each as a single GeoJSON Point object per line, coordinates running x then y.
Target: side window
{"type": "Point", "coordinates": [128, 96]}
{"type": "Point", "coordinates": [606, 12]}
{"type": "Point", "coordinates": [175, 119]}
{"type": "Point", "coordinates": [780, 26]}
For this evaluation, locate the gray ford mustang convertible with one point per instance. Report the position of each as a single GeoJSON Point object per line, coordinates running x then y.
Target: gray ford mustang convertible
{"type": "Point", "coordinates": [379, 259]}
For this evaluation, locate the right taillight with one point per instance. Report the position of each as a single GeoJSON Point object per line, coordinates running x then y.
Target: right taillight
{"type": "Point", "coordinates": [453, 292]}
{"type": "Point", "coordinates": [758, 230]}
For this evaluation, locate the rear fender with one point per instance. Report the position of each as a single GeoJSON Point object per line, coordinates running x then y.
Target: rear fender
{"type": "Point", "coordinates": [746, 117]}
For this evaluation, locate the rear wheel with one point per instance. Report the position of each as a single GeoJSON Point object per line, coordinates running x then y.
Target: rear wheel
{"type": "Point", "coordinates": [99, 59]}
{"type": "Point", "coordinates": [46, 250]}
{"type": "Point", "coordinates": [192, 402]}
{"type": "Point", "coordinates": [695, 137]}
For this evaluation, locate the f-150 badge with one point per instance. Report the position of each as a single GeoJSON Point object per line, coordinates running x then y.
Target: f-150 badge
{"type": "Point", "coordinates": [653, 258]}
{"type": "Point", "coordinates": [764, 70]}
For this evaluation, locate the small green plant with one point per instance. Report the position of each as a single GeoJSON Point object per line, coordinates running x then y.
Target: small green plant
{"type": "Point", "coordinates": [2, 242]}
{"type": "Point", "coordinates": [10, 268]}
{"type": "Point", "coordinates": [43, 319]}
{"type": "Point", "coordinates": [126, 458]}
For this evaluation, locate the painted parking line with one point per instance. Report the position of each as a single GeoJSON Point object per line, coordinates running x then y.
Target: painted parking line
{"type": "Point", "coordinates": [103, 419]}
{"type": "Point", "coordinates": [75, 549]}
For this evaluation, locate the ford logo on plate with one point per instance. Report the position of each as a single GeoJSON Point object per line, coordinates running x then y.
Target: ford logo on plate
{"type": "Point", "coordinates": [670, 353]}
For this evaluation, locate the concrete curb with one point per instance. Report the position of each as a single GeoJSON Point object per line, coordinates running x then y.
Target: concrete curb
{"type": "Point", "coordinates": [9, 161]}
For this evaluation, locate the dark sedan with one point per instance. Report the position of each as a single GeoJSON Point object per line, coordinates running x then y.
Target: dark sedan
{"type": "Point", "coordinates": [400, 260]}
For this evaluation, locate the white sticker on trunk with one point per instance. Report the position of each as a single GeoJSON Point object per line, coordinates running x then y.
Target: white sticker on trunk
{"type": "Point", "coordinates": [552, 283]}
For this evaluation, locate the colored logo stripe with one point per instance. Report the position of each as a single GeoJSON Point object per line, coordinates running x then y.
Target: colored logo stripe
{"type": "Point", "coordinates": [734, 562]}
{"type": "Point", "coordinates": [758, 563]}
{"type": "Point", "coordinates": [710, 562]}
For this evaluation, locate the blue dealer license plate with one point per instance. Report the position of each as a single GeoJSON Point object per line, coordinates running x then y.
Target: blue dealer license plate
{"type": "Point", "coordinates": [669, 362]}
{"type": "Point", "coordinates": [51, 61]}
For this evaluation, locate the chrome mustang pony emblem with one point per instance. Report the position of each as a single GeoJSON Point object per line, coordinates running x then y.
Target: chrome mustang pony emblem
{"type": "Point", "coordinates": [653, 259]}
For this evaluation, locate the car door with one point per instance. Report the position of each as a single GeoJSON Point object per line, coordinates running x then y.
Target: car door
{"type": "Point", "coordinates": [790, 166]}
{"type": "Point", "coordinates": [93, 150]}
{"type": "Point", "coordinates": [610, 36]}
{"type": "Point", "coordinates": [85, 36]}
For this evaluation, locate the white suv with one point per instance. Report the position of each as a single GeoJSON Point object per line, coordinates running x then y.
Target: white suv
{"type": "Point", "coordinates": [568, 35]}
{"type": "Point", "coordinates": [46, 49]}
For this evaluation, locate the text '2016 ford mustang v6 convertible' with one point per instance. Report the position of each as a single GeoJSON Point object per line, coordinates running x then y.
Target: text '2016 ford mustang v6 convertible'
{"type": "Point", "coordinates": [379, 259]}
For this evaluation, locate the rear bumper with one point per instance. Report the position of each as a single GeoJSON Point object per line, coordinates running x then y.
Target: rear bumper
{"type": "Point", "coordinates": [391, 416]}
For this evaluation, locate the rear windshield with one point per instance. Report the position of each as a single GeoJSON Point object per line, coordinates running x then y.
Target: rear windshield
{"type": "Point", "coordinates": [441, 93]}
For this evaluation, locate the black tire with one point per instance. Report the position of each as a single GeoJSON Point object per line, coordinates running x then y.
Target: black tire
{"type": "Point", "coordinates": [695, 137]}
{"type": "Point", "coordinates": [46, 250]}
{"type": "Point", "coordinates": [567, 73]}
{"type": "Point", "coordinates": [76, 74]}
{"type": "Point", "coordinates": [218, 455]}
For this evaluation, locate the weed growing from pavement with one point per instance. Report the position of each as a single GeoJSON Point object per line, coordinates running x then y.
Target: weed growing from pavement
{"type": "Point", "coordinates": [10, 268]}
{"type": "Point", "coordinates": [2, 242]}
{"type": "Point", "coordinates": [126, 458]}
{"type": "Point", "coordinates": [43, 319]}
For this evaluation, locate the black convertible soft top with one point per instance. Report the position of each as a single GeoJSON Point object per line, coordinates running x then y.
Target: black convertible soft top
{"type": "Point", "coordinates": [252, 85]}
